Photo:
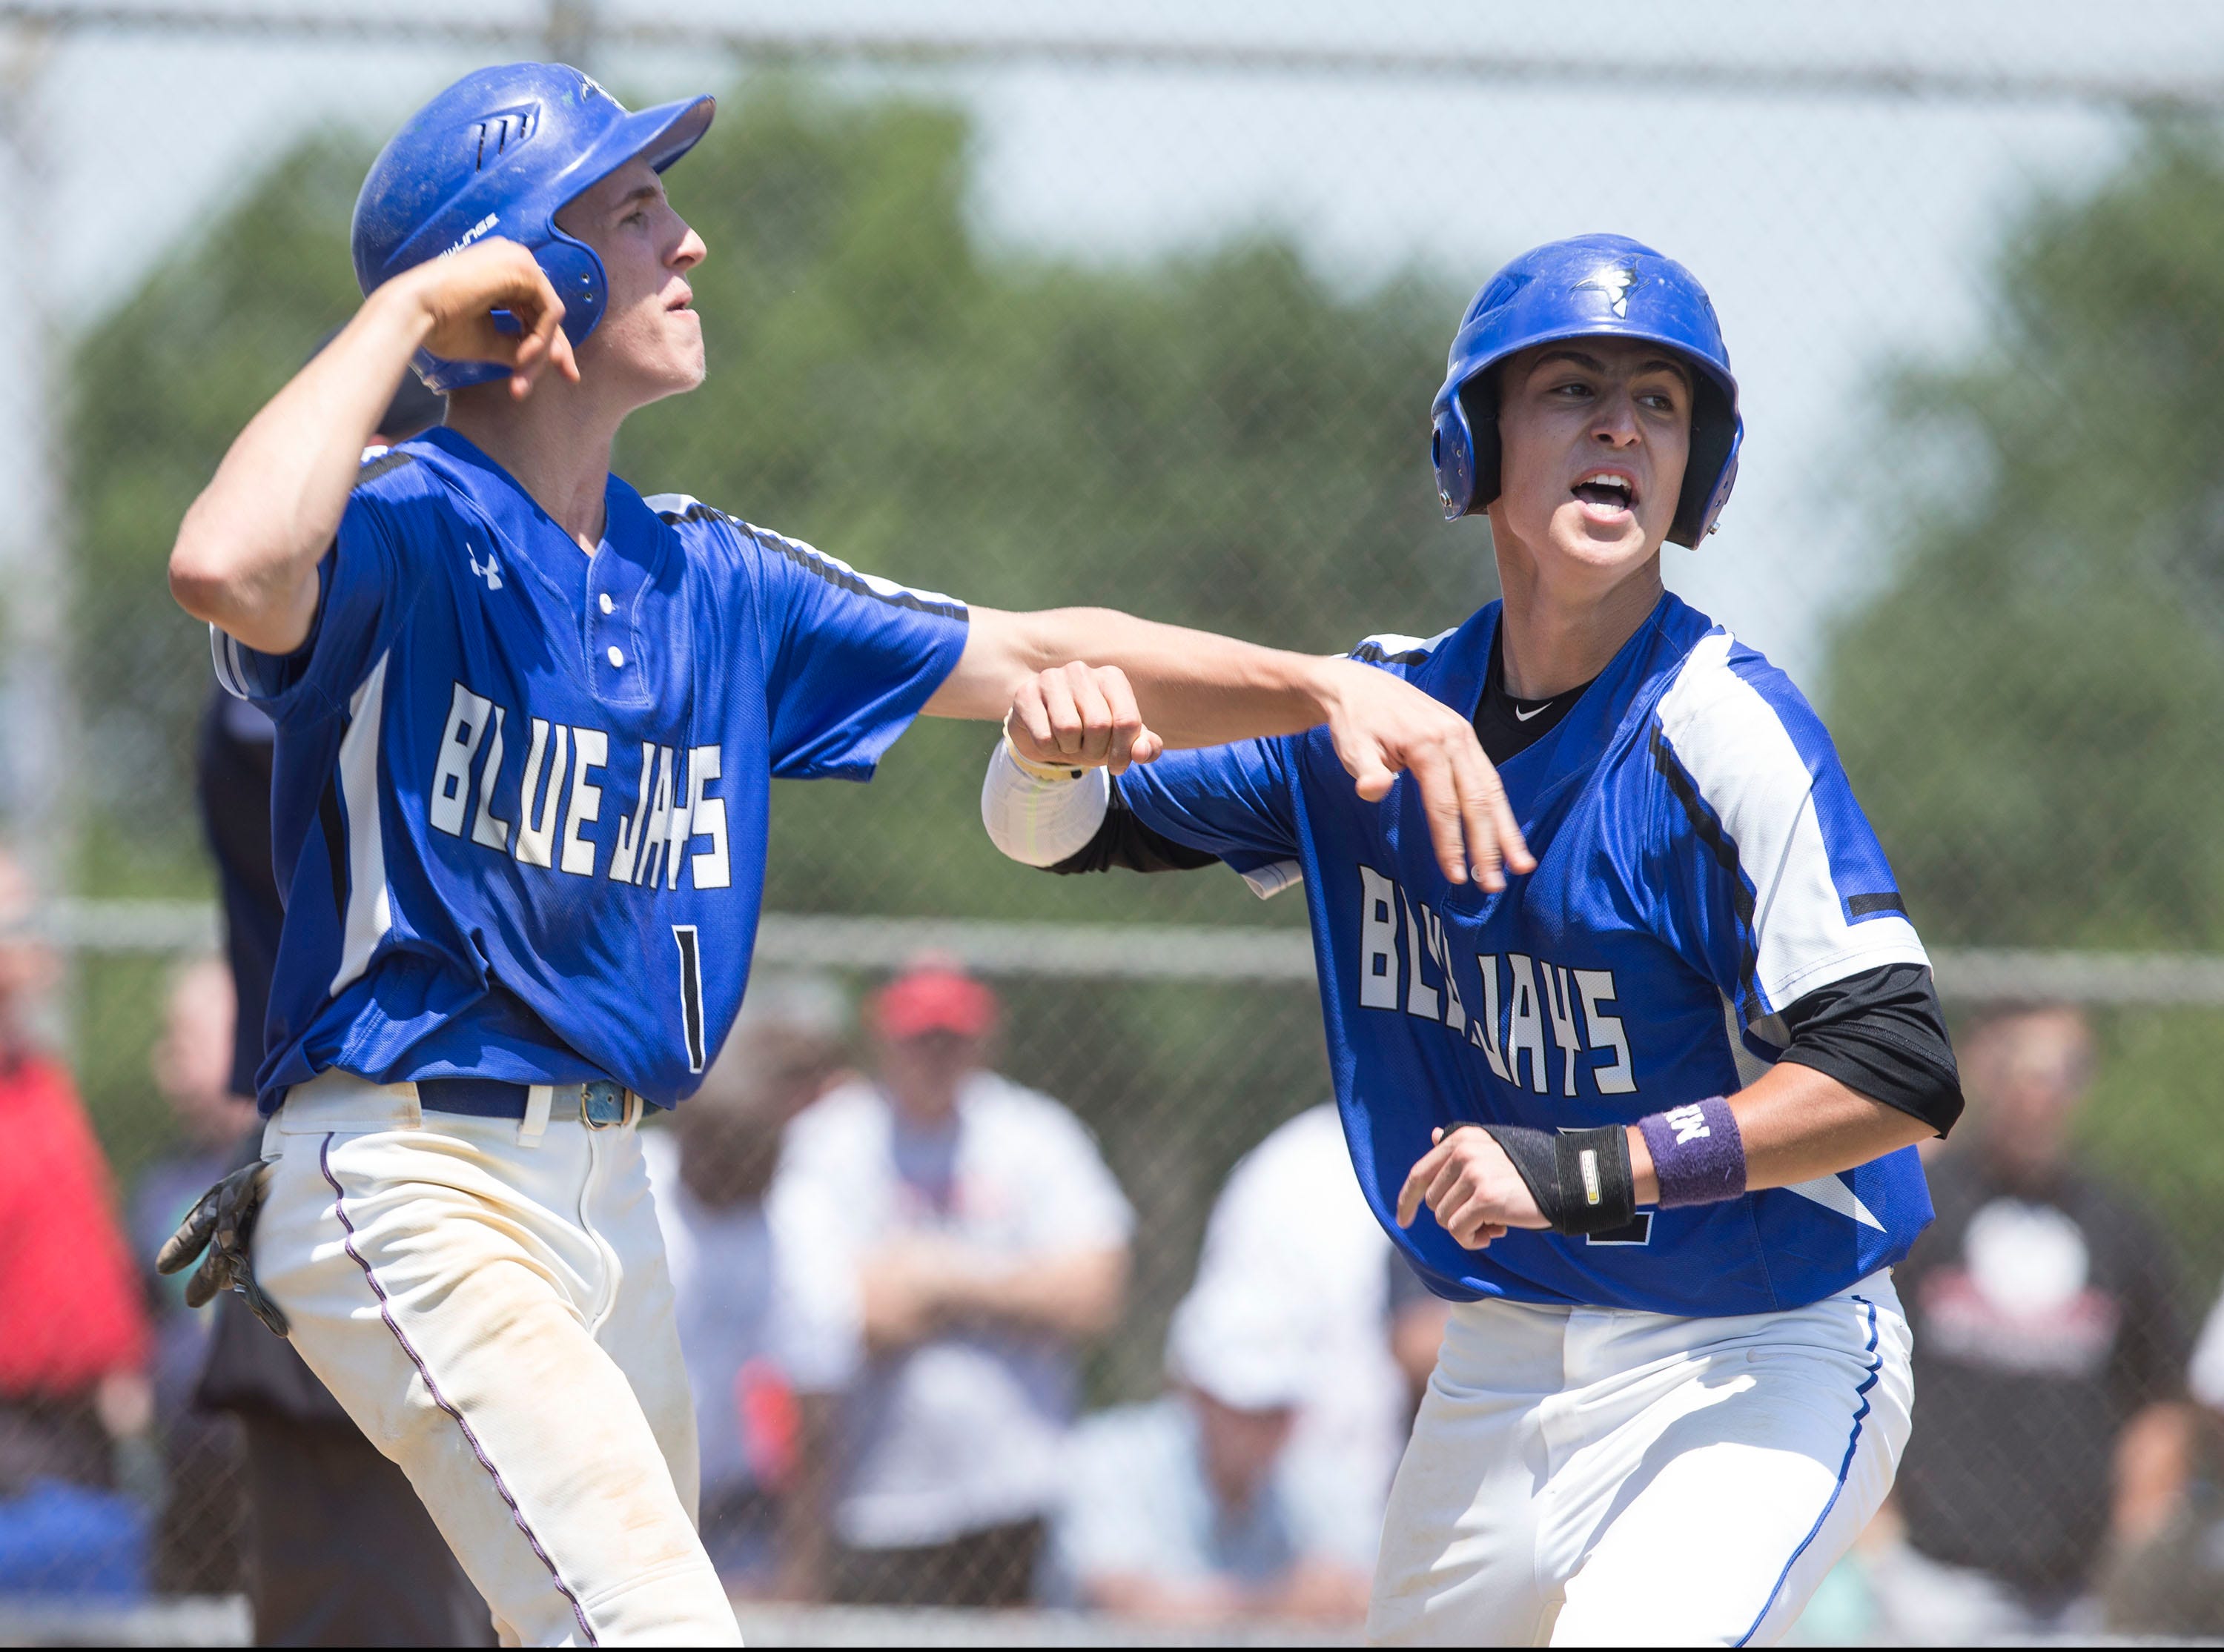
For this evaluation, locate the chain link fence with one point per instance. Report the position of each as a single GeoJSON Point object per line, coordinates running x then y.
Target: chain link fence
{"type": "Point", "coordinates": [1150, 313]}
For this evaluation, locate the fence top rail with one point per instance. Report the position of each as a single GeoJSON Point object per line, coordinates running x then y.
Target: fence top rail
{"type": "Point", "coordinates": [1180, 952]}
{"type": "Point", "coordinates": [787, 43]}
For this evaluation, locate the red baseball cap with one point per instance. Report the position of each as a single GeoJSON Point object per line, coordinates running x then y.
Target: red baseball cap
{"type": "Point", "coordinates": [933, 998]}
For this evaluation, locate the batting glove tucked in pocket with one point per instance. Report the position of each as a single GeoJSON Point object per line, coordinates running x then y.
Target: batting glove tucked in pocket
{"type": "Point", "coordinates": [221, 1224]}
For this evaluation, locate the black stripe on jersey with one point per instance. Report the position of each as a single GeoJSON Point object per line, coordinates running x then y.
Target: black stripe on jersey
{"type": "Point", "coordinates": [690, 992]}
{"type": "Point", "coordinates": [849, 581]}
{"type": "Point", "coordinates": [852, 582]}
{"type": "Point", "coordinates": [392, 459]}
{"type": "Point", "coordinates": [1638, 1230]}
{"type": "Point", "coordinates": [1374, 654]}
{"type": "Point", "coordinates": [700, 512]}
{"type": "Point", "coordinates": [328, 816]}
{"type": "Point", "coordinates": [1884, 901]}
{"type": "Point", "coordinates": [1726, 855]}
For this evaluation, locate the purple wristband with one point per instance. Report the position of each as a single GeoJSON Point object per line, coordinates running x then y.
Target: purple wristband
{"type": "Point", "coordinates": [1697, 1154]}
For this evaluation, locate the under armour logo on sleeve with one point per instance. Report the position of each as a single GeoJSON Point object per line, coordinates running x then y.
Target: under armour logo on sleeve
{"type": "Point", "coordinates": [488, 570]}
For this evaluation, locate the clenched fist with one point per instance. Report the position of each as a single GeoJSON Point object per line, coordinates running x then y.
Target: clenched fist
{"type": "Point", "coordinates": [1080, 716]}
{"type": "Point", "coordinates": [458, 295]}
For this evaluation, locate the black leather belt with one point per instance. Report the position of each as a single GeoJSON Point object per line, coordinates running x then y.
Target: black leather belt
{"type": "Point", "coordinates": [598, 1103]}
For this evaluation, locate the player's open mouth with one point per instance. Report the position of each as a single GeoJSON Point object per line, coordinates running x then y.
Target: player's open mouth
{"type": "Point", "coordinates": [1606, 490]}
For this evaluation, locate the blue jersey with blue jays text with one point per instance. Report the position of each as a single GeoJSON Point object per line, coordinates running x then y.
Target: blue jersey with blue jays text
{"type": "Point", "coordinates": [520, 795]}
{"type": "Point", "coordinates": [1702, 864]}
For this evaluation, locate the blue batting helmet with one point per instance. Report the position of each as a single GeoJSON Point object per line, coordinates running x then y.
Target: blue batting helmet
{"type": "Point", "coordinates": [502, 152]}
{"type": "Point", "coordinates": [1592, 286]}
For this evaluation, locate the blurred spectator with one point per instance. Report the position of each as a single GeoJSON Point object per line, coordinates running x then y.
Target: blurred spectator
{"type": "Point", "coordinates": [2172, 1584]}
{"type": "Point", "coordinates": [197, 1544]}
{"type": "Point", "coordinates": [2049, 1357]}
{"type": "Point", "coordinates": [988, 1242]}
{"type": "Point", "coordinates": [340, 1552]}
{"type": "Point", "coordinates": [1192, 1508]}
{"type": "Point", "coordinates": [768, 1321]}
{"type": "Point", "coordinates": [1291, 1236]}
{"type": "Point", "coordinates": [73, 1337]}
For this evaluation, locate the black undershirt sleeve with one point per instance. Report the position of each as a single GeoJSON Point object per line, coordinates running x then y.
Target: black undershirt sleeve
{"type": "Point", "coordinates": [1123, 841]}
{"type": "Point", "coordinates": [1881, 1033]}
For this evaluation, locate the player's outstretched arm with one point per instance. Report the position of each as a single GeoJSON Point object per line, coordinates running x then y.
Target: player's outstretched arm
{"type": "Point", "coordinates": [246, 554]}
{"type": "Point", "coordinates": [1145, 687]}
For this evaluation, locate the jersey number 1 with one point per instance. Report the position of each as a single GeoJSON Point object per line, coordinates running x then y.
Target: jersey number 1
{"type": "Point", "coordinates": [690, 992]}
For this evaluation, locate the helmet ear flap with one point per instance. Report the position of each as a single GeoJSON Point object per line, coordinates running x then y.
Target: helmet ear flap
{"type": "Point", "coordinates": [1451, 451]}
{"type": "Point", "coordinates": [1711, 467]}
{"type": "Point", "coordinates": [577, 275]}
{"type": "Point", "coordinates": [1464, 449]}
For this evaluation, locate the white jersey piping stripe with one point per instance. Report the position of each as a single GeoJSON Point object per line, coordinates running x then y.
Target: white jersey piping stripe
{"type": "Point", "coordinates": [1743, 763]}
{"type": "Point", "coordinates": [1394, 648]}
{"type": "Point", "coordinates": [224, 654]}
{"type": "Point", "coordinates": [1268, 881]}
{"type": "Point", "coordinates": [369, 914]}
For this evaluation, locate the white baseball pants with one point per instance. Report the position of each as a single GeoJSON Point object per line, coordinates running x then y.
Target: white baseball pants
{"type": "Point", "coordinates": [1592, 1477]}
{"type": "Point", "coordinates": [491, 1307]}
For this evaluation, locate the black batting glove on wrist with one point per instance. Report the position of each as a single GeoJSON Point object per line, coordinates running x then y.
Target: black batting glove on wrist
{"type": "Point", "coordinates": [1581, 1179]}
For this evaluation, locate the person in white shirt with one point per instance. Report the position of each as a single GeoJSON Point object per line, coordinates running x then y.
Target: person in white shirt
{"type": "Point", "coordinates": [988, 1244]}
{"type": "Point", "coordinates": [1322, 1284]}
{"type": "Point", "coordinates": [768, 1322]}
{"type": "Point", "coordinates": [1197, 1507]}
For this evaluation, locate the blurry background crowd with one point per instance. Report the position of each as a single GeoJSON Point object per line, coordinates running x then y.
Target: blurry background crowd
{"type": "Point", "coordinates": [1019, 1263]}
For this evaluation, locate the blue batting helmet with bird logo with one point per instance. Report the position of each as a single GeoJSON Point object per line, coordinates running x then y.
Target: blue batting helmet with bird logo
{"type": "Point", "coordinates": [1591, 286]}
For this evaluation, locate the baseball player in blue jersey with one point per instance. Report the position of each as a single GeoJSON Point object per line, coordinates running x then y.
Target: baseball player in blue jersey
{"type": "Point", "coordinates": [526, 724]}
{"type": "Point", "coordinates": [1647, 1115]}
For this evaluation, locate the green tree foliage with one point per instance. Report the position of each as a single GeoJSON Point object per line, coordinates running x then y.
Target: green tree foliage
{"type": "Point", "coordinates": [2029, 705]}
{"type": "Point", "coordinates": [160, 387]}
